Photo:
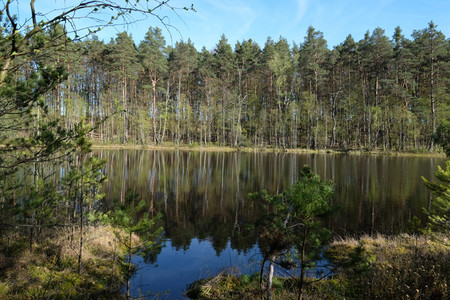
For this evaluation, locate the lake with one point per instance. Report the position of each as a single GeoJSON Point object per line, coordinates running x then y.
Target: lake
{"type": "Point", "coordinates": [203, 197]}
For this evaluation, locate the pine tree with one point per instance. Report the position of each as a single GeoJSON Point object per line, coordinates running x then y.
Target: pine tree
{"type": "Point", "coordinates": [430, 49]}
{"type": "Point", "coordinates": [145, 227]}
{"type": "Point", "coordinates": [439, 216]}
{"type": "Point", "coordinates": [124, 65]}
{"type": "Point", "coordinates": [248, 55]}
{"type": "Point", "coordinates": [224, 65]}
{"type": "Point", "coordinates": [154, 62]}
{"type": "Point", "coordinates": [293, 223]}
{"type": "Point", "coordinates": [208, 107]}
{"type": "Point", "coordinates": [36, 59]}
{"type": "Point", "coordinates": [313, 54]}
{"type": "Point", "coordinates": [183, 63]}
{"type": "Point", "coordinates": [379, 57]}
{"type": "Point", "coordinates": [403, 85]}
{"type": "Point", "coordinates": [281, 66]}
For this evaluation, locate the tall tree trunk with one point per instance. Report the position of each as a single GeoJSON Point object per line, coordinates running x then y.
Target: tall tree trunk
{"type": "Point", "coordinates": [179, 109]}
{"type": "Point", "coordinates": [433, 112]}
{"type": "Point", "coordinates": [125, 111]}
{"type": "Point", "coordinates": [155, 138]}
{"type": "Point", "coordinates": [80, 253]}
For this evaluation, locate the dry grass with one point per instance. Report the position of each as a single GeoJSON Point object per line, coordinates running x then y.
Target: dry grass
{"type": "Point", "coordinates": [233, 285]}
{"type": "Point", "coordinates": [369, 267]}
{"type": "Point", "coordinates": [51, 269]}
{"type": "Point", "coordinates": [399, 267]}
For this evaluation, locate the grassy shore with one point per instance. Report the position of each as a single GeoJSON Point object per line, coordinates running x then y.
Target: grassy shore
{"type": "Point", "coordinates": [170, 147]}
{"type": "Point", "coordinates": [50, 270]}
{"type": "Point", "coordinates": [378, 267]}
{"type": "Point", "coordinates": [398, 267]}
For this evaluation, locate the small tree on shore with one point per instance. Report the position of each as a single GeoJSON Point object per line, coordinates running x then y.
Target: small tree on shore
{"type": "Point", "coordinates": [292, 232]}
{"type": "Point", "coordinates": [131, 223]}
{"type": "Point", "coordinates": [439, 215]}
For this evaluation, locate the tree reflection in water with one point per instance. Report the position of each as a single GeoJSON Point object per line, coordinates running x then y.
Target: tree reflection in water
{"type": "Point", "coordinates": [203, 195]}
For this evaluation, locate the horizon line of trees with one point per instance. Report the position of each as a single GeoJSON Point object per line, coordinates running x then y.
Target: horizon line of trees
{"type": "Point", "coordinates": [377, 93]}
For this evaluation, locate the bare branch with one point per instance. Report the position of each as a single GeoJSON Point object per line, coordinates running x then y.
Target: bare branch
{"type": "Point", "coordinates": [68, 15]}
{"type": "Point", "coordinates": [33, 13]}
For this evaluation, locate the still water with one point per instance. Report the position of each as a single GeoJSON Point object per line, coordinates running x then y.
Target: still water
{"type": "Point", "coordinates": [203, 197]}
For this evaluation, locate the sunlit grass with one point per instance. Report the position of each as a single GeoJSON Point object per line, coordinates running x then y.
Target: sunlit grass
{"type": "Point", "coordinates": [398, 267]}
{"type": "Point", "coordinates": [50, 270]}
{"type": "Point", "coordinates": [369, 267]}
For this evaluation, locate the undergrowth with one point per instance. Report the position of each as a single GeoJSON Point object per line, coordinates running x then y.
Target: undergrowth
{"type": "Point", "coordinates": [50, 270]}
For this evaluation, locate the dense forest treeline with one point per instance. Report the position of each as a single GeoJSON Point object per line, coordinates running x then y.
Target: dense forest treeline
{"type": "Point", "coordinates": [377, 93]}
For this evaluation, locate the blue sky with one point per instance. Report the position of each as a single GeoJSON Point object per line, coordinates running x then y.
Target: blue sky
{"type": "Point", "coordinates": [258, 19]}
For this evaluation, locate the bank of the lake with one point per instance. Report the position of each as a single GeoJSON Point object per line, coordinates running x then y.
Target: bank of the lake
{"type": "Point", "coordinates": [50, 269]}
{"type": "Point", "coordinates": [370, 267]}
{"type": "Point", "coordinates": [213, 148]}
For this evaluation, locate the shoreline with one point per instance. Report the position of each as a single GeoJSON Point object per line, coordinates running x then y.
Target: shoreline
{"type": "Point", "coordinates": [261, 150]}
{"type": "Point", "coordinates": [371, 266]}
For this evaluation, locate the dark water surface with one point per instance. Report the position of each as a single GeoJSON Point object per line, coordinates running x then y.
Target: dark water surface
{"type": "Point", "coordinates": [205, 207]}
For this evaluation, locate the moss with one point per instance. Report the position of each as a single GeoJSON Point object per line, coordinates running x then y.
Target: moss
{"type": "Point", "coordinates": [51, 270]}
{"type": "Point", "coordinates": [234, 286]}
{"type": "Point", "coordinates": [339, 252]}
{"type": "Point", "coordinates": [4, 288]}
{"type": "Point", "coordinates": [392, 267]}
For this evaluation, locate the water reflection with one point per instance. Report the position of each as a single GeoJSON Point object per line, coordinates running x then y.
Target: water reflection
{"type": "Point", "coordinates": [176, 269]}
{"type": "Point", "coordinates": [203, 195]}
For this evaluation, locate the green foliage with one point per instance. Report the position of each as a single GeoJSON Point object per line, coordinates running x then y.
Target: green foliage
{"type": "Point", "coordinates": [83, 183]}
{"type": "Point", "coordinates": [298, 209]}
{"type": "Point", "coordinates": [293, 222]}
{"type": "Point", "coordinates": [132, 221]}
{"type": "Point", "coordinates": [45, 129]}
{"type": "Point", "coordinates": [442, 136]}
{"type": "Point", "coordinates": [128, 220]}
{"type": "Point", "coordinates": [439, 216]}
{"type": "Point", "coordinates": [376, 93]}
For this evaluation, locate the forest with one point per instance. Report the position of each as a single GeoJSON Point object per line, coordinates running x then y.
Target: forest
{"type": "Point", "coordinates": [63, 89]}
{"type": "Point", "coordinates": [379, 93]}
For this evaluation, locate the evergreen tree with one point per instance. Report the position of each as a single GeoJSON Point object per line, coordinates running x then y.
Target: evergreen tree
{"type": "Point", "coordinates": [293, 222]}
{"type": "Point", "coordinates": [378, 59]}
{"type": "Point", "coordinates": [183, 63]}
{"type": "Point", "coordinates": [154, 62]}
{"type": "Point", "coordinates": [37, 57]}
{"type": "Point", "coordinates": [430, 49]}
{"type": "Point", "coordinates": [224, 65]}
{"type": "Point", "coordinates": [313, 53]}
{"type": "Point", "coordinates": [248, 55]}
{"type": "Point", "coordinates": [439, 216]}
{"type": "Point", "coordinates": [123, 62]}
{"type": "Point", "coordinates": [208, 108]}
{"type": "Point", "coordinates": [144, 226]}
{"type": "Point", "coordinates": [281, 66]}
{"type": "Point", "coordinates": [403, 85]}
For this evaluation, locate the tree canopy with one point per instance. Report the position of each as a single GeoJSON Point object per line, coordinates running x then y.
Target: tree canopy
{"type": "Point", "coordinates": [378, 93]}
